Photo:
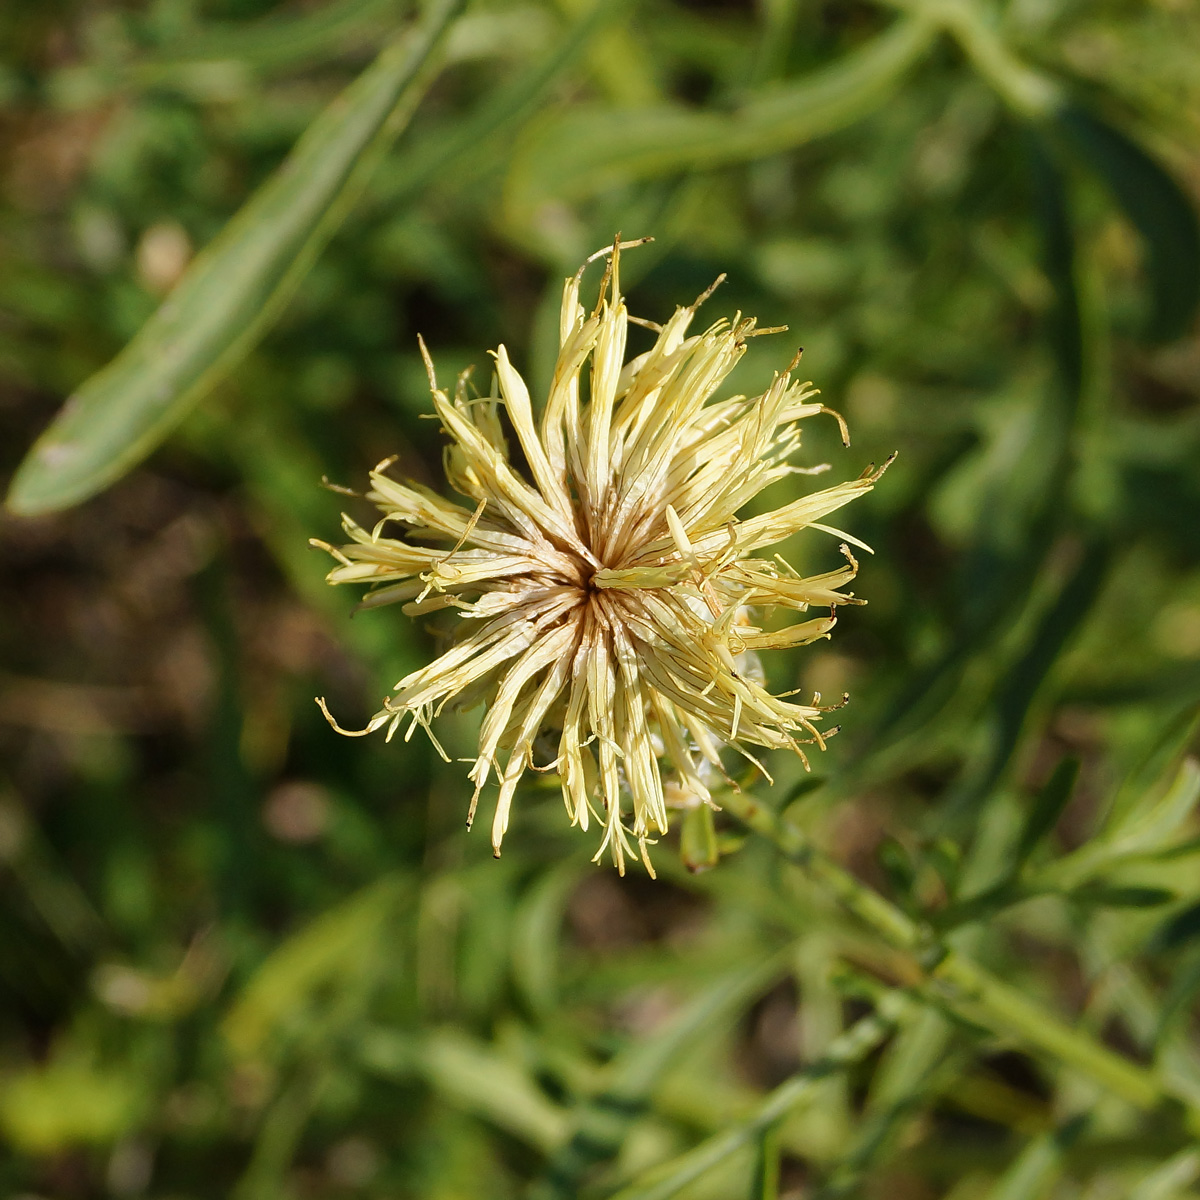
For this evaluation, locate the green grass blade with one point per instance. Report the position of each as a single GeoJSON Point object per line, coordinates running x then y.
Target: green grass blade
{"type": "Point", "coordinates": [234, 290]}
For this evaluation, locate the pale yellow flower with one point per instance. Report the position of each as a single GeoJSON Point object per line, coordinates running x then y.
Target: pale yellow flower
{"type": "Point", "coordinates": [608, 596]}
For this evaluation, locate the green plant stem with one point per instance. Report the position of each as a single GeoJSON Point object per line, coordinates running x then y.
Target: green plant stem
{"type": "Point", "coordinates": [954, 981]}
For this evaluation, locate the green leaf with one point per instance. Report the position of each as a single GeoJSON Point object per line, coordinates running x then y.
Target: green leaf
{"type": "Point", "coordinates": [1024, 514]}
{"type": "Point", "coordinates": [469, 1074]}
{"type": "Point", "coordinates": [1178, 1000]}
{"type": "Point", "coordinates": [222, 58]}
{"type": "Point", "coordinates": [1156, 205]}
{"type": "Point", "coordinates": [576, 152]}
{"type": "Point", "coordinates": [1047, 807]}
{"type": "Point", "coordinates": [235, 289]}
{"type": "Point", "coordinates": [1038, 1166]}
{"type": "Point", "coordinates": [1018, 689]}
{"type": "Point", "coordinates": [980, 907]}
{"type": "Point", "coordinates": [902, 1086]}
{"type": "Point", "coordinates": [472, 1076]}
{"type": "Point", "coordinates": [605, 1120]}
{"type": "Point", "coordinates": [847, 1049]}
{"type": "Point", "coordinates": [1064, 321]}
{"type": "Point", "coordinates": [766, 1166]}
{"type": "Point", "coordinates": [339, 950]}
{"type": "Point", "coordinates": [1103, 895]}
{"type": "Point", "coordinates": [535, 939]}
{"type": "Point", "coordinates": [1171, 1179]}
{"type": "Point", "coordinates": [1147, 829]}
{"type": "Point", "coordinates": [284, 39]}
{"type": "Point", "coordinates": [498, 110]}
{"type": "Point", "coordinates": [1178, 929]}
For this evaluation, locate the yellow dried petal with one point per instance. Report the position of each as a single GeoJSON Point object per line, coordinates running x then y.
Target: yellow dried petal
{"type": "Point", "coordinates": [604, 589]}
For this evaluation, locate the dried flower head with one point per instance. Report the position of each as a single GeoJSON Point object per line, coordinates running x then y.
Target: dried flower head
{"type": "Point", "coordinates": [605, 585]}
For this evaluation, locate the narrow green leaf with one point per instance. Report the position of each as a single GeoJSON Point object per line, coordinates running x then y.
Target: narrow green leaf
{"type": "Point", "coordinates": [1178, 929]}
{"type": "Point", "coordinates": [1178, 1002]}
{"type": "Point", "coordinates": [1149, 828]}
{"type": "Point", "coordinates": [1018, 689]}
{"type": "Point", "coordinates": [980, 907]}
{"type": "Point", "coordinates": [286, 39]}
{"type": "Point", "coordinates": [234, 290]}
{"type": "Point", "coordinates": [1064, 323]}
{"type": "Point", "coordinates": [1023, 516]}
{"type": "Point", "coordinates": [338, 948]}
{"type": "Point", "coordinates": [766, 1166]}
{"type": "Point", "coordinates": [575, 152]}
{"type": "Point", "coordinates": [902, 1087]}
{"type": "Point", "coordinates": [1102, 895]}
{"type": "Point", "coordinates": [535, 940]}
{"type": "Point", "coordinates": [1047, 807]}
{"type": "Point", "coordinates": [1038, 1166]}
{"type": "Point", "coordinates": [498, 110]}
{"type": "Point", "coordinates": [847, 1049]}
{"type": "Point", "coordinates": [603, 1123]}
{"type": "Point", "coordinates": [1156, 205]}
{"type": "Point", "coordinates": [472, 1076]}
{"type": "Point", "coordinates": [223, 58]}
{"type": "Point", "coordinates": [1171, 1179]}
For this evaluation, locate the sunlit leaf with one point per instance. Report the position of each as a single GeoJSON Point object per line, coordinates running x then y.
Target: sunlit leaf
{"type": "Point", "coordinates": [234, 290]}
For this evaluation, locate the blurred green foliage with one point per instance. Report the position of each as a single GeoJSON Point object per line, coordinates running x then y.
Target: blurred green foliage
{"type": "Point", "coordinates": [241, 956]}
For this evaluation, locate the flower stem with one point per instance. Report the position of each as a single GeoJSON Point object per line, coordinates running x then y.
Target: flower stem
{"type": "Point", "coordinates": [954, 981]}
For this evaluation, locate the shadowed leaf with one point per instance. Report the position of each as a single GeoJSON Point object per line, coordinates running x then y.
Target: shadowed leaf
{"type": "Point", "coordinates": [1159, 209]}
{"type": "Point", "coordinates": [1047, 807]}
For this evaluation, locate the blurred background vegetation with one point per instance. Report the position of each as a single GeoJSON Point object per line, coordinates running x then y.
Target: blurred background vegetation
{"type": "Point", "coordinates": [241, 956]}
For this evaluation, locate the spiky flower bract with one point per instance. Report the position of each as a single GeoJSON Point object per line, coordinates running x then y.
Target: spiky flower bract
{"type": "Point", "coordinates": [608, 595]}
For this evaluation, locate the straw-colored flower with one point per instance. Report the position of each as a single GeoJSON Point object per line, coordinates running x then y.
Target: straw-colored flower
{"type": "Point", "coordinates": [609, 599]}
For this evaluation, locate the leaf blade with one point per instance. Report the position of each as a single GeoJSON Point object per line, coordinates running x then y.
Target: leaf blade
{"type": "Point", "coordinates": [233, 290]}
{"type": "Point", "coordinates": [1156, 206]}
{"type": "Point", "coordinates": [571, 154]}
